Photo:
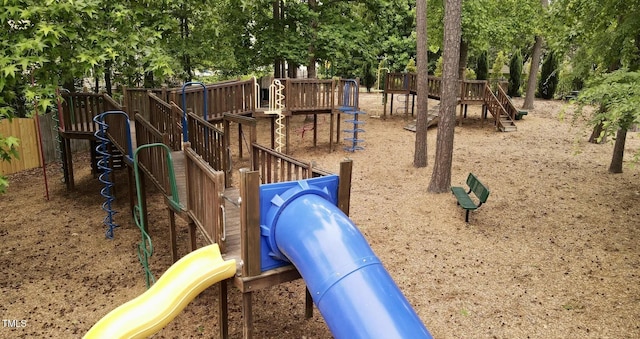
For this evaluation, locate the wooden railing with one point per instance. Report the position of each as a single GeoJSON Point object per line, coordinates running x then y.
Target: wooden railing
{"type": "Point", "coordinates": [137, 102]}
{"type": "Point", "coordinates": [166, 118]}
{"type": "Point", "coordinates": [506, 102]}
{"type": "Point", "coordinates": [205, 188]}
{"type": "Point", "coordinates": [153, 161]}
{"type": "Point", "coordinates": [397, 82]}
{"type": "Point", "coordinates": [119, 125]}
{"type": "Point", "coordinates": [237, 97]}
{"type": "Point", "coordinates": [207, 141]}
{"type": "Point", "coordinates": [278, 167]}
{"type": "Point", "coordinates": [435, 87]}
{"type": "Point", "coordinates": [247, 133]}
{"type": "Point", "coordinates": [78, 111]}
{"type": "Point", "coordinates": [493, 105]}
{"type": "Point", "coordinates": [308, 95]}
{"type": "Point", "coordinates": [472, 91]}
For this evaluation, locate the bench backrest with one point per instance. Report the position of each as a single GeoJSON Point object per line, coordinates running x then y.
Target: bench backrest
{"type": "Point", "coordinates": [480, 190]}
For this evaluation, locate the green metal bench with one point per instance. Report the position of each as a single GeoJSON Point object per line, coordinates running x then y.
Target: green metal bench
{"type": "Point", "coordinates": [464, 198]}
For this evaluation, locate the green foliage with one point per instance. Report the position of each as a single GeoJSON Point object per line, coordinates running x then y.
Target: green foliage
{"type": "Point", "coordinates": [411, 66]}
{"type": "Point", "coordinates": [438, 71]}
{"type": "Point", "coordinates": [470, 74]}
{"type": "Point", "coordinates": [602, 33]}
{"type": "Point", "coordinates": [515, 75]}
{"type": "Point", "coordinates": [618, 93]}
{"type": "Point", "coordinates": [482, 67]}
{"type": "Point", "coordinates": [569, 79]}
{"type": "Point", "coordinates": [495, 24]}
{"type": "Point", "coordinates": [498, 63]}
{"type": "Point", "coordinates": [548, 81]}
{"type": "Point", "coordinates": [8, 151]}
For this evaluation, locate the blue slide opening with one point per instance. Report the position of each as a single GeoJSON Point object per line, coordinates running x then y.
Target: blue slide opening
{"type": "Point", "coordinates": [355, 294]}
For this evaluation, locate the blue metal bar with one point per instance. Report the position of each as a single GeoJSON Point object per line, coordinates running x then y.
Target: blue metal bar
{"type": "Point", "coordinates": [185, 129]}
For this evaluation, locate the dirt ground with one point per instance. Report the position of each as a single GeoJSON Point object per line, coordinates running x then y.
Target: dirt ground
{"type": "Point", "coordinates": [553, 253]}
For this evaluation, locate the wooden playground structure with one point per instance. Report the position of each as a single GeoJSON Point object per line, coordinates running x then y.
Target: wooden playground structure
{"type": "Point", "coordinates": [472, 92]}
{"type": "Point", "coordinates": [194, 170]}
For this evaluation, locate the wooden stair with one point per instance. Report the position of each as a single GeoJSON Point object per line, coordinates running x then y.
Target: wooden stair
{"type": "Point", "coordinates": [503, 120]}
{"type": "Point", "coordinates": [506, 124]}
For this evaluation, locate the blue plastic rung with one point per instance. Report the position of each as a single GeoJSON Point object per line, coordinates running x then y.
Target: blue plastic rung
{"type": "Point", "coordinates": [355, 122]}
{"type": "Point", "coordinates": [347, 108]}
{"type": "Point", "coordinates": [357, 130]}
{"type": "Point", "coordinates": [355, 112]}
{"type": "Point", "coordinates": [354, 140]}
{"type": "Point", "coordinates": [354, 148]}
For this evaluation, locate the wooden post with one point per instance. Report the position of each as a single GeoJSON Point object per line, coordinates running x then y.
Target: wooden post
{"type": "Point", "coordinates": [226, 153]}
{"type": "Point", "coordinates": [172, 235]}
{"type": "Point", "coordinates": [391, 106]}
{"type": "Point", "coordinates": [132, 190]}
{"type": "Point", "coordinates": [68, 163]}
{"type": "Point", "coordinates": [240, 140]}
{"type": "Point", "coordinates": [344, 185]}
{"type": "Point", "coordinates": [308, 304]}
{"type": "Point", "coordinates": [247, 328]}
{"type": "Point", "coordinates": [143, 201]}
{"type": "Point", "coordinates": [223, 311]}
{"type": "Point", "coordinates": [125, 100]}
{"type": "Point", "coordinates": [250, 222]}
{"type": "Point", "coordinates": [315, 130]}
{"type": "Point", "coordinates": [287, 136]}
{"type": "Point", "coordinates": [331, 116]}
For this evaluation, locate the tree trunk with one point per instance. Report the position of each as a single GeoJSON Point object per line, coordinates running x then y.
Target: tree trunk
{"type": "Point", "coordinates": [107, 78]}
{"type": "Point", "coordinates": [441, 176]}
{"type": "Point", "coordinates": [533, 74]}
{"type": "Point", "coordinates": [311, 67]}
{"type": "Point", "coordinates": [533, 70]}
{"type": "Point", "coordinates": [279, 70]}
{"type": "Point", "coordinates": [618, 151]}
{"type": "Point", "coordinates": [420, 155]}
{"type": "Point", "coordinates": [462, 63]}
{"type": "Point", "coordinates": [595, 134]}
{"type": "Point", "coordinates": [69, 84]}
{"type": "Point", "coordinates": [184, 30]}
{"type": "Point", "coordinates": [594, 138]}
{"type": "Point", "coordinates": [292, 71]}
{"type": "Point", "coordinates": [149, 81]}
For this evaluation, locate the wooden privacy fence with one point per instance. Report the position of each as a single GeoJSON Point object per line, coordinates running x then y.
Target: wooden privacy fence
{"type": "Point", "coordinates": [25, 130]}
{"type": "Point", "coordinates": [29, 157]}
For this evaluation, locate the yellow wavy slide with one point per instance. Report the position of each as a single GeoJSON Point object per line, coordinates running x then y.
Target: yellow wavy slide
{"type": "Point", "coordinates": [155, 308]}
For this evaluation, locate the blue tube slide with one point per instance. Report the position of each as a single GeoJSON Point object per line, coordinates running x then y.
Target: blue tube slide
{"type": "Point", "coordinates": [353, 291]}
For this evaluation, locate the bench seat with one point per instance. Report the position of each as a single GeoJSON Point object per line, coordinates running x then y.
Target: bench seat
{"type": "Point", "coordinates": [463, 196]}
{"type": "Point", "coordinates": [464, 200]}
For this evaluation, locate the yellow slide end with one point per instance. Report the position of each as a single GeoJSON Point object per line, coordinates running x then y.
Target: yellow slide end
{"type": "Point", "coordinates": [155, 308]}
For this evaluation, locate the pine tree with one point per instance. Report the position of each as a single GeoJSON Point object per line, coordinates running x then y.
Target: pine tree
{"type": "Point", "coordinates": [482, 66]}
{"type": "Point", "coordinates": [515, 75]}
{"type": "Point", "coordinates": [549, 77]}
